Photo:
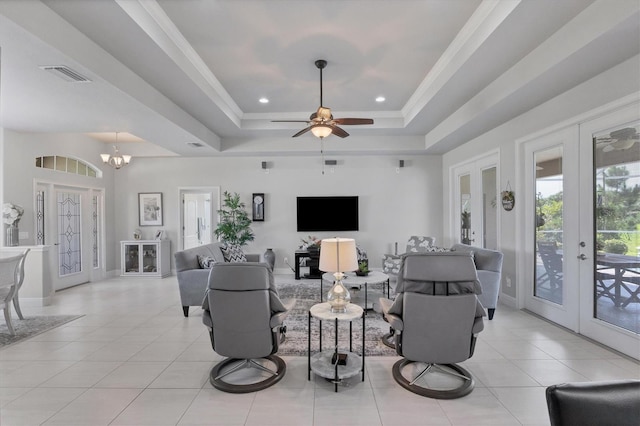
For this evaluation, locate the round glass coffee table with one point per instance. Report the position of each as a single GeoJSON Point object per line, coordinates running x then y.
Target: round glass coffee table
{"type": "Point", "coordinates": [352, 280]}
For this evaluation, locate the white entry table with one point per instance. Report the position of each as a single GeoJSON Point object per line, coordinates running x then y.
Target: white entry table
{"type": "Point", "coordinates": [353, 280]}
{"type": "Point", "coordinates": [321, 362]}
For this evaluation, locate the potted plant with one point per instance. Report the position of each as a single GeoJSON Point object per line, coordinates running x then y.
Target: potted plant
{"type": "Point", "coordinates": [234, 226]}
{"type": "Point", "coordinates": [363, 269]}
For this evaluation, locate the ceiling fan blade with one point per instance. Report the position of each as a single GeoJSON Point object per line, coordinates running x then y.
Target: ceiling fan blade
{"type": "Point", "coordinates": [290, 121]}
{"type": "Point", "coordinates": [302, 132]}
{"type": "Point", "coordinates": [353, 121]}
{"type": "Point", "coordinates": [339, 132]}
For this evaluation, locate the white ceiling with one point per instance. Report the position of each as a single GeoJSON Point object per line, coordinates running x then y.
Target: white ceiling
{"type": "Point", "coordinates": [173, 72]}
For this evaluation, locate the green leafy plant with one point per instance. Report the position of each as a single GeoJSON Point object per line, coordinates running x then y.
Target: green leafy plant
{"type": "Point", "coordinates": [234, 227]}
{"type": "Point", "coordinates": [363, 267]}
{"type": "Point", "coordinates": [615, 246]}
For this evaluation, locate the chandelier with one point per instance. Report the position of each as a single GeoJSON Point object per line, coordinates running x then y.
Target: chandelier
{"type": "Point", "coordinates": [116, 160]}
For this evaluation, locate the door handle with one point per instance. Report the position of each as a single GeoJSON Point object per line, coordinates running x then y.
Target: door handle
{"type": "Point", "coordinates": [582, 256]}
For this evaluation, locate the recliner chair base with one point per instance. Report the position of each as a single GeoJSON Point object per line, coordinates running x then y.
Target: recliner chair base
{"type": "Point", "coordinates": [464, 389]}
{"type": "Point", "coordinates": [217, 374]}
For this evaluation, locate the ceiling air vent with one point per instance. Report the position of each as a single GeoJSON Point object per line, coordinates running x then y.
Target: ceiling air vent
{"type": "Point", "coordinates": [66, 73]}
{"type": "Point", "coordinates": [195, 144]}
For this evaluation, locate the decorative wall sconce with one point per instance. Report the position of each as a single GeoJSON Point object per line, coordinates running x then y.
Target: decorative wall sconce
{"type": "Point", "coordinates": [265, 167]}
{"type": "Point", "coordinates": [400, 165]}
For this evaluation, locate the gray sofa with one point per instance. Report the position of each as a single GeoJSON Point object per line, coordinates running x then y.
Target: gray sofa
{"type": "Point", "coordinates": [192, 279]}
{"type": "Point", "coordinates": [489, 267]}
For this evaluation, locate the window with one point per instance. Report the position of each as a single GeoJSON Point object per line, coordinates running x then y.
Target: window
{"type": "Point", "coordinates": [67, 165]}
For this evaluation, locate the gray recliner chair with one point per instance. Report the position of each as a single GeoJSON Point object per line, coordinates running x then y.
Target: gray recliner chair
{"type": "Point", "coordinates": [245, 317]}
{"type": "Point", "coordinates": [436, 316]}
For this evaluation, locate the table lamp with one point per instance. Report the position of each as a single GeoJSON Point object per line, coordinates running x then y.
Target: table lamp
{"type": "Point", "coordinates": [338, 255]}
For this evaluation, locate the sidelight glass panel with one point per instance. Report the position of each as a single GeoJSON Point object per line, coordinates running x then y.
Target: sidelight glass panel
{"type": "Point", "coordinates": [69, 220]}
{"type": "Point", "coordinates": [465, 209]}
{"type": "Point", "coordinates": [616, 175]}
{"type": "Point", "coordinates": [40, 218]}
{"type": "Point", "coordinates": [95, 228]}
{"type": "Point", "coordinates": [549, 225]}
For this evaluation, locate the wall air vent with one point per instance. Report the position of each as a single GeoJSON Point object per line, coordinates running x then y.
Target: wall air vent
{"type": "Point", "coordinates": [195, 144]}
{"type": "Point", "coordinates": [66, 73]}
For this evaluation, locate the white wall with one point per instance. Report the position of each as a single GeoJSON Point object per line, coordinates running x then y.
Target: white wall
{"type": "Point", "coordinates": [393, 205]}
{"type": "Point", "coordinates": [19, 174]}
{"type": "Point", "coordinates": [613, 84]}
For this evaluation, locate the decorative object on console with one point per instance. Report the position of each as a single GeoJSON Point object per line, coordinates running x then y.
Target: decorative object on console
{"type": "Point", "coordinates": [258, 207]}
{"type": "Point", "coordinates": [117, 161]}
{"type": "Point", "coordinates": [159, 234]}
{"type": "Point", "coordinates": [234, 226]}
{"type": "Point", "coordinates": [270, 258]}
{"type": "Point", "coordinates": [137, 234]}
{"type": "Point", "coordinates": [11, 215]}
{"type": "Point", "coordinates": [338, 255]}
{"type": "Point", "coordinates": [150, 208]}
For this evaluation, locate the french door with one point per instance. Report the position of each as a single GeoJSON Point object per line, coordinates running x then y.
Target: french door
{"type": "Point", "coordinates": [476, 202]}
{"type": "Point", "coordinates": [582, 228]}
{"type": "Point", "coordinates": [70, 219]}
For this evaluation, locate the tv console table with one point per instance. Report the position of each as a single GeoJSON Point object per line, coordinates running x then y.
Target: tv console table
{"type": "Point", "coordinates": [313, 272]}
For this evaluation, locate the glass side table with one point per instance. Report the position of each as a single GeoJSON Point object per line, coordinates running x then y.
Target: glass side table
{"type": "Point", "coordinates": [321, 362]}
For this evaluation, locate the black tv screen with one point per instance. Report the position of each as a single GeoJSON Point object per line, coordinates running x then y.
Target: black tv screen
{"type": "Point", "coordinates": [327, 213]}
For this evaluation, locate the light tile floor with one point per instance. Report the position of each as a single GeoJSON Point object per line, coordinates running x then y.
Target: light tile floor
{"type": "Point", "coordinates": [133, 359]}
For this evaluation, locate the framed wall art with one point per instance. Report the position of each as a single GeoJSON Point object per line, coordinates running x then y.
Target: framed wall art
{"type": "Point", "coordinates": [258, 207]}
{"type": "Point", "coordinates": [150, 208]}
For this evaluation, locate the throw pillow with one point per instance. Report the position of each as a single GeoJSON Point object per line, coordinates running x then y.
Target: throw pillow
{"type": "Point", "coordinates": [233, 253]}
{"type": "Point", "coordinates": [434, 249]}
{"type": "Point", "coordinates": [206, 262]}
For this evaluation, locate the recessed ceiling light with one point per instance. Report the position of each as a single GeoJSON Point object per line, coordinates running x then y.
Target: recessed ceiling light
{"type": "Point", "coordinates": [263, 100]}
{"type": "Point", "coordinates": [381, 99]}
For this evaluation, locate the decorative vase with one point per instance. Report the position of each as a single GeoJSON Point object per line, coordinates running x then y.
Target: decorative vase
{"type": "Point", "coordinates": [12, 237]}
{"type": "Point", "coordinates": [270, 258]}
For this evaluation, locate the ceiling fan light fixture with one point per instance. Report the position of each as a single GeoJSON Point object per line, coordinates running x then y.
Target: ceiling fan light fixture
{"type": "Point", "coordinates": [623, 144]}
{"type": "Point", "coordinates": [321, 130]}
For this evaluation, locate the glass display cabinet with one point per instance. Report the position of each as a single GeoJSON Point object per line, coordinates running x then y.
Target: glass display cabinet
{"type": "Point", "coordinates": [145, 258]}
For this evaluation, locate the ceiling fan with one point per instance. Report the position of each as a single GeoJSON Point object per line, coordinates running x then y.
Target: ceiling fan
{"type": "Point", "coordinates": [321, 123]}
{"type": "Point", "coordinates": [619, 140]}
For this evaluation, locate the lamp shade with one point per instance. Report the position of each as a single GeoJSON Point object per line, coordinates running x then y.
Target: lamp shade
{"type": "Point", "coordinates": [338, 255]}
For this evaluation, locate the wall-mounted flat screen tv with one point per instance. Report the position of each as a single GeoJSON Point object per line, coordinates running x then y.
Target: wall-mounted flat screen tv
{"type": "Point", "coordinates": [317, 214]}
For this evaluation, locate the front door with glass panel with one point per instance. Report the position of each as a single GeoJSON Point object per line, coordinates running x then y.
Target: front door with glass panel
{"type": "Point", "coordinates": [582, 214]}
{"type": "Point", "coordinates": [70, 219]}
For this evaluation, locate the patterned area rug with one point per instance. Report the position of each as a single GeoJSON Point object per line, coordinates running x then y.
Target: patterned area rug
{"type": "Point", "coordinates": [32, 326]}
{"type": "Point", "coordinates": [307, 294]}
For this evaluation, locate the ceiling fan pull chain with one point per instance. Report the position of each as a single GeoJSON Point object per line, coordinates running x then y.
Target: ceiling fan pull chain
{"type": "Point", "coordinates": [322, 153]}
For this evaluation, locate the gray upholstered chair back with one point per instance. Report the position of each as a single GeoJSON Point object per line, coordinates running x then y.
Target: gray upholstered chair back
{"type": "Point", "coordinates": [438, 273]}
{"type": "Point", "coordinates": [418, 243]}
{"type": "Point", "coordinates": [439, 307]}
{"type": "Point", "coordinates": [239, 302]}
{"type": "Point", "coordinates": [437, 329]}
